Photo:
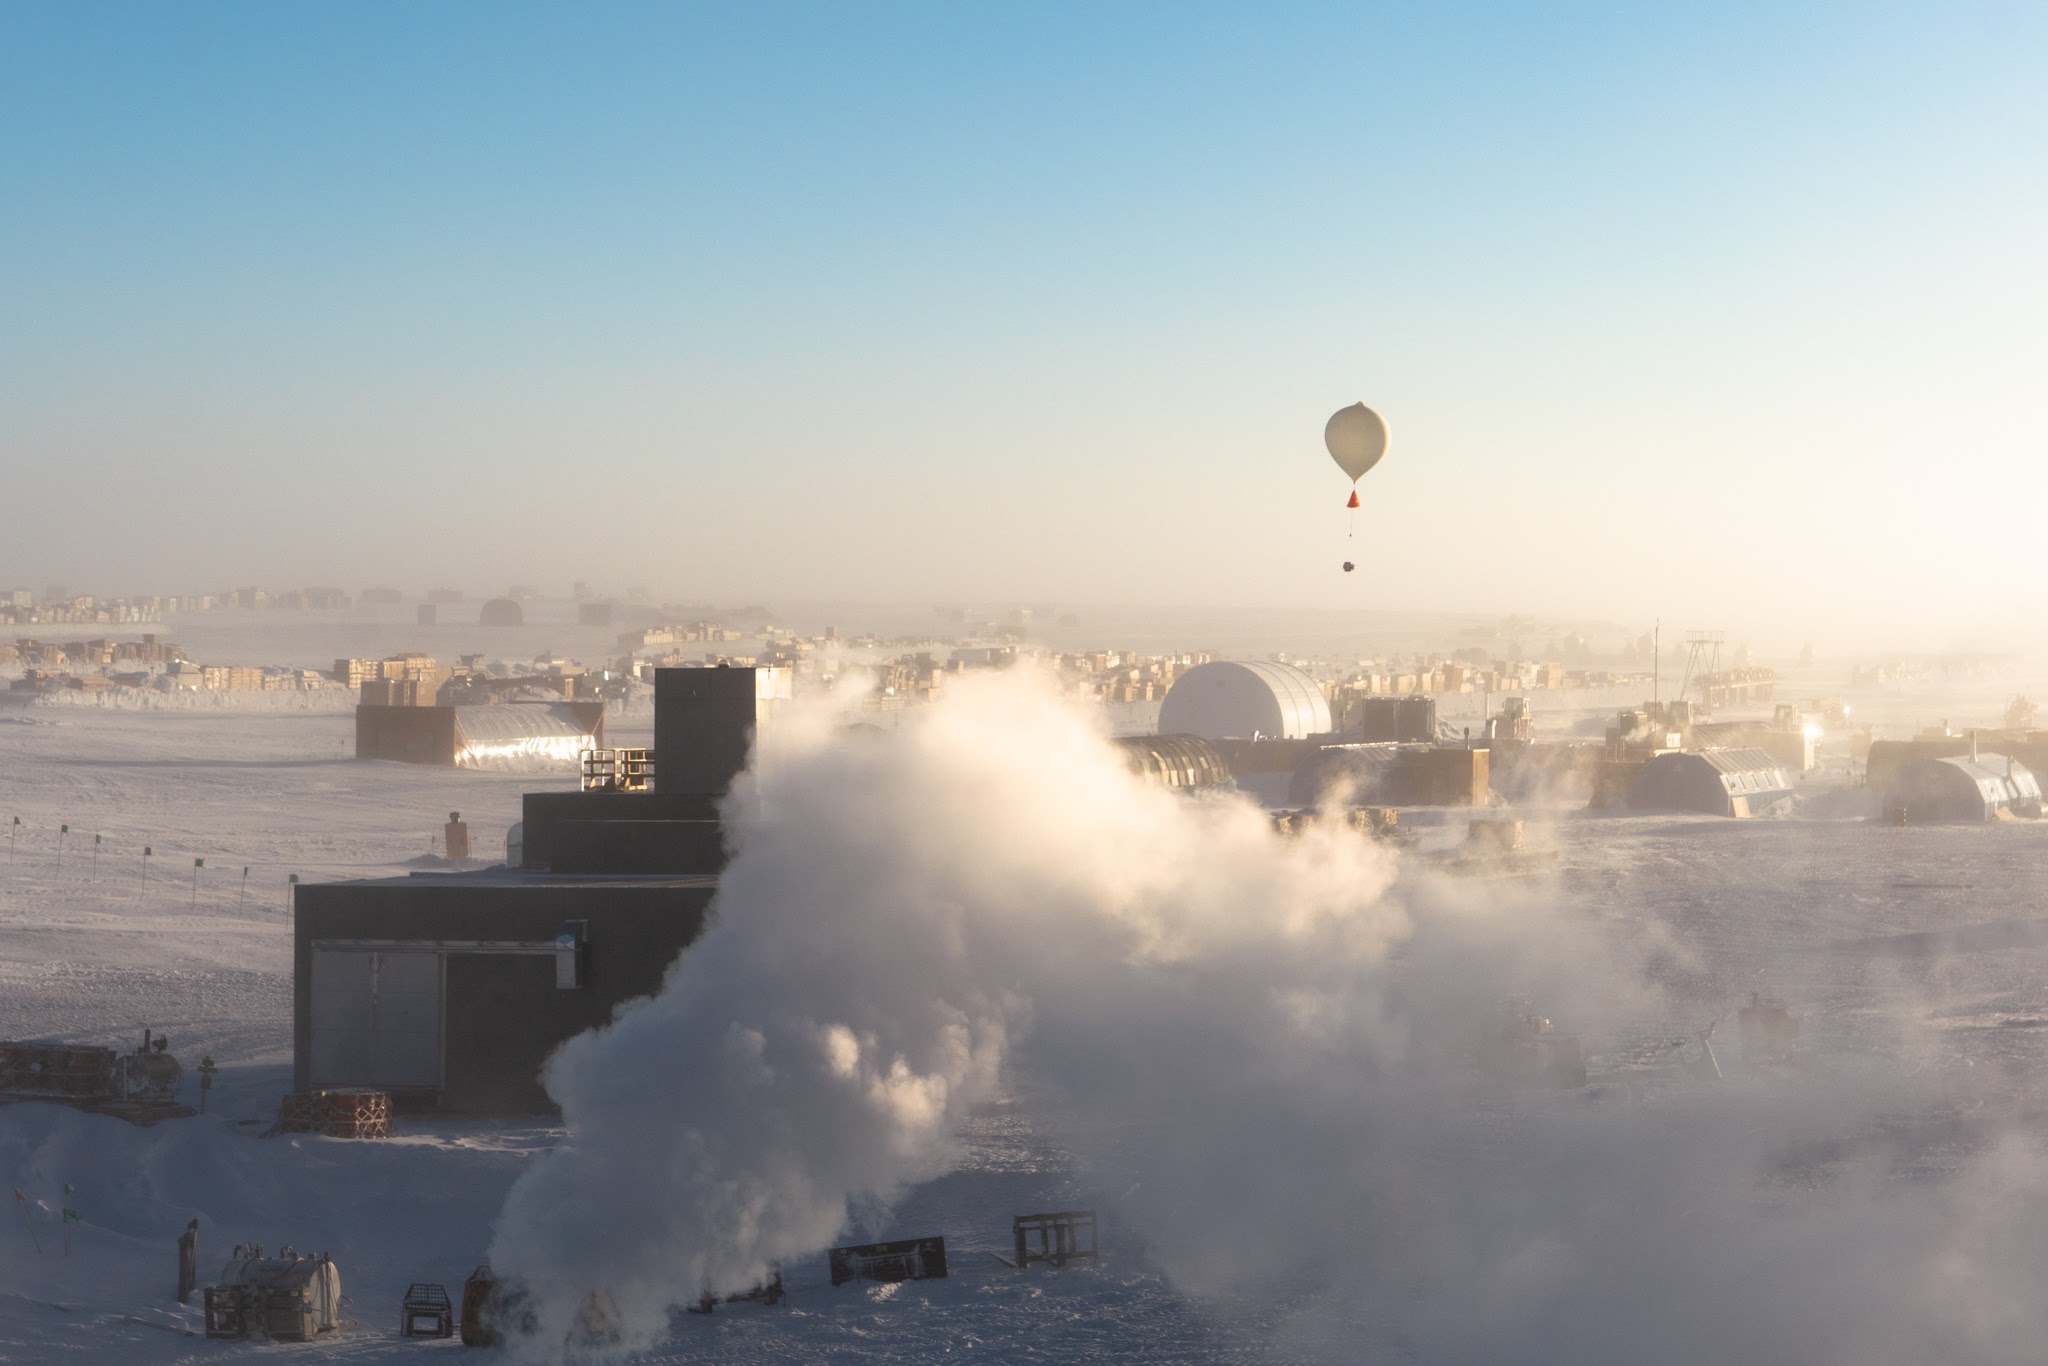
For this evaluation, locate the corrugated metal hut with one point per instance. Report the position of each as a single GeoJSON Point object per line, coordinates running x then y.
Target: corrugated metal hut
{"type": "Point", "coordinates": [1959, 788]}
{"type": "Point", "coordinates": [1887, 757]}
{"type": "Point", "coordinates": [1177, 761]}
{"type": "Point", "coordinates": [480, 735]}
{"type": "Point", "coordinates": [505, 731]}
{"type": "Point", "coordinates": [1716, 782]}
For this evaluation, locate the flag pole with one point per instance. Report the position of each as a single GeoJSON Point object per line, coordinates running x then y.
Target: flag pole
{"type": "Point", "coordinates": [29, 1223]}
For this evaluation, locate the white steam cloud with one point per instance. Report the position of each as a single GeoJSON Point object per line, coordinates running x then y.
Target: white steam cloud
{"type": "Point", "coordinates": [1264, 1045]}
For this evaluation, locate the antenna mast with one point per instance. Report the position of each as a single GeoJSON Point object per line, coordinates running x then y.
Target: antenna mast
{"type": "Point", "coordinates": [1702, 648]}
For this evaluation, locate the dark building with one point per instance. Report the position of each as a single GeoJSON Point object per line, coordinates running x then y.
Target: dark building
{"type": "Point", "coordinates": [1408, 719]}
{"type": "Point", "coordinates": [415, 733]}
{"type": "Point", "coordinates": [452, 990]}
{"type": "Point", "coordinates": [1392, 775]}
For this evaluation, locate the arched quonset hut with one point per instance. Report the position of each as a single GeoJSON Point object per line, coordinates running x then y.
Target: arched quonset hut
{"type": "Point", "coordinates": [1959, 788]}
{"type": "Point", "coordinates": [481, 735]}
{"type": "Point", "coordinates": [1717, 782]}
{"type": "Point", "coordinates": [502, 732]}
{"type": "Point", "coordinates": [1255, 699]}
{"type": "Point", "coordinates": [1176, 761]}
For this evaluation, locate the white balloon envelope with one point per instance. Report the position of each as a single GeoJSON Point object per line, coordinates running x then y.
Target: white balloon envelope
{"type": "Point", "coordinates": [1357, 438]}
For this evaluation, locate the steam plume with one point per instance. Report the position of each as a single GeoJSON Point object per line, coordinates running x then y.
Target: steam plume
{"type": "Point", "coordinates": [1263, 1046]}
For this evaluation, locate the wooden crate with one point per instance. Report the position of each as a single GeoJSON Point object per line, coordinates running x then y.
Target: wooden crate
{"type": "Point", "coordinates": [337, 1114]}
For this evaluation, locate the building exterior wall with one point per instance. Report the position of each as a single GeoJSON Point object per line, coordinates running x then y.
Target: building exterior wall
{"type": "Point", "coordinates": [543, 813]}
{"type": "Point", "coordinates": [501, 1014]}
{"type": "Point", "coordinates": [1393, 718]}
{"type": "Point", "coordinates": [704, 722]}
{"type": "Point", "coordinates": [413, 735]}
{"type": "Point", "coordinates": [1452, 777]}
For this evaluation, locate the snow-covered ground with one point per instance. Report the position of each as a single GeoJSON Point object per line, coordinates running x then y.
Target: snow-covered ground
{"type": "Point", "coordinates": [1928, 1054]}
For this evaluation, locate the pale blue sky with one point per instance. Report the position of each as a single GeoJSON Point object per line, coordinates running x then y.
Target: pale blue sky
{"type": "Point", "coordinates": [1684, 310]}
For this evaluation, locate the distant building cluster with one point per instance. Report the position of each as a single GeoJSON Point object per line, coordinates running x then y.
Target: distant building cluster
{"type": "Point", "coordinates": [97, 653]}
{"type": "Point", "coordinates": [412, 668]}
{"type": "Point", "coordinates": [650, 636]}
{"type": "Point", "coordinates": [1910, 669]}
{"type": "Point", "coordinates": [917, 674]}
{"type": "Point", "coordinates": [60, 607]}
{"type": "Point", "coordinates": [154, 663]}
{"type": "Point", "coordinates": [414, 709]}
{"type": "Point", "coordinates": [420, 680]}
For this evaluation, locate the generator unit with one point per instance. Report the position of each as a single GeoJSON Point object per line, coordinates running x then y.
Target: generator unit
{"type": "Point", "coordinates": [286, 1298]}
{"type": "Point", "coordinates": [141, 1087]}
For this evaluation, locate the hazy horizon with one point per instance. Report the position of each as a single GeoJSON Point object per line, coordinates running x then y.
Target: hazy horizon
{"type": "Point", "coordinates": [1348, 1011]}
{"type": "Point", "coordinates": [1731, 318]}
{"type": "Point", "coordinates": [312, 636]}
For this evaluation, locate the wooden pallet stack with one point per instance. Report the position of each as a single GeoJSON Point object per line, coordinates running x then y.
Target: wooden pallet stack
{"type": "Point", "coordinates": [337, 1114]}
{"type": "Point", "coordinates": [57, 1071]}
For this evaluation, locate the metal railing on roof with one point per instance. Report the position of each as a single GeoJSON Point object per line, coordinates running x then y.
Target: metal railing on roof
{"type": "Point", "coordinates": [617, 770]}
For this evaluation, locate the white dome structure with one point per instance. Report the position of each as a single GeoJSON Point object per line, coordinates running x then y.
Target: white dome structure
{"type": "Point", "coordinates": [1253, 700]}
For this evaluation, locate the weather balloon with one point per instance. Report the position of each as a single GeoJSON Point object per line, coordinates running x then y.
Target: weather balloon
{"type": "Point", "coordinates": [1357, 438]}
